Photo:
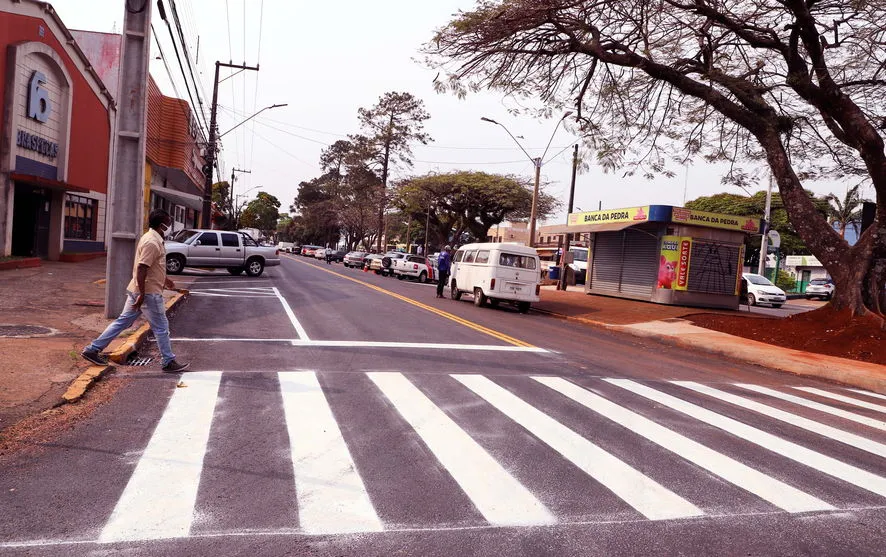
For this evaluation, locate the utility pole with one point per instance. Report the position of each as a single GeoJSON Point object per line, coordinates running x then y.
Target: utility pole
{"type": "Point", "coordinates": [234, 217]}
{"type": "Point", "coordinates": [206, 221]}
{"type": "Point", "coordinates": [126, 200]}
{"type": "Point", "coordinates": [534, 210]}
{"type": "Point", "coordinates": [562, 285]}
{"type": "Point", "coordinates": [764, 242]}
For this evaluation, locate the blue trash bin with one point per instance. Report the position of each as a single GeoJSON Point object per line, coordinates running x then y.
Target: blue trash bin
{"type": "Point", "coordinates": [554, 272]}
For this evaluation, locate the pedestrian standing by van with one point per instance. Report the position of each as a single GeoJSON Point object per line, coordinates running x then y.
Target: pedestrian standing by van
{"type": "Point", "coordinates": [144, 295]}
{"type": "Point", "coordinates": [444, 263]}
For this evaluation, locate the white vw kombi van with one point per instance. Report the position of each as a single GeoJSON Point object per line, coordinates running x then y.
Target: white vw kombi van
{"type": "Point", "coordinates": [496, 272]}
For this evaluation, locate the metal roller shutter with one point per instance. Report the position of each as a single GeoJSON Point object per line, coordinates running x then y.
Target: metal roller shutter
{"type": "Point", "coordinates": [640, 265]}
{"type": "Point", "coordinates": [713, 267]}
{"type": "Point", "coordinates": [606, 271]}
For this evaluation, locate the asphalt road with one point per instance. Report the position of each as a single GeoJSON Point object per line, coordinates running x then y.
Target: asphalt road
{"type": "Point", "coordinates": [334, 412]}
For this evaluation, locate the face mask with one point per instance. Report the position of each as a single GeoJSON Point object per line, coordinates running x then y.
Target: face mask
{"type": "Point", "coordinates": [163, 229]}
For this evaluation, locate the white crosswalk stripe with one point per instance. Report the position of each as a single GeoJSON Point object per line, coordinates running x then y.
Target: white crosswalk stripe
{"type": "Point", "coordinates": [158, 501]}
{"type": "Point", "coordinates": [331, 494]}
{"type": "Point", "coordinates": [649, 498]}
{"type": "Point", "coordinates": [846, 399]}
{"type": "Point", "coordinates": [839, 412]}
{"type": "Point", "coordinates": [850, 439]}
{"type": "Point", "coordinates": [818, 461]}
{"type": "Point", "coordinates": [778, 493]}
{"type": "Point", "coordinates": [868, 393]}
{"type": "Point", "coordinates": [498, 496]}
{"type": "Point", "coordinates": [336, 483]}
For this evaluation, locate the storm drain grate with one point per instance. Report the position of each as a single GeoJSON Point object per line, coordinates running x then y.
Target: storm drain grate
{"type": "Point", "coordinates": [138, 361]}
{"type": "Point", "coordinates": [24, 331]}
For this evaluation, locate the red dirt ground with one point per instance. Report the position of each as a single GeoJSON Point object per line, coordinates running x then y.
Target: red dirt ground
{"type": "Point", "coordinates": [823, 331]}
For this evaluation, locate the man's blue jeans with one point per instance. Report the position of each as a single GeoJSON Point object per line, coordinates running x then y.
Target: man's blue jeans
{"type": "Point", "coordinates": [154, 310]}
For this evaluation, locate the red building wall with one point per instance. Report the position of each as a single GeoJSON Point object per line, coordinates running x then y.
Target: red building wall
{"type": "Point", "coordinates": [89, 147]}
{"type": "Point", "coordinates": [170, 139]}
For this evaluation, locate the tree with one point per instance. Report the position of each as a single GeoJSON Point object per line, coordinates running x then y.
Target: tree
{"type": "Point", "coordinates": [262, 213]}
{"type": "Point", "coordinates": [221, 200]}
{"type": "Point", "coordinates": [845, 212]}
{"type": "Point", "coordinates": [795, 83]}
{"type": "Point", "coordinates": [755, 206]}
{"type": "Point", "coordinates": [460, 203]}
{"type": "Point", "coordinates": [389, 130]}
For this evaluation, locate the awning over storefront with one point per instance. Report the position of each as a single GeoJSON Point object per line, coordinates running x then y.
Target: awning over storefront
{"type": "Point", "coordinates": [189, 200]}
{"type": "Point", "coordinates": [47, 183]}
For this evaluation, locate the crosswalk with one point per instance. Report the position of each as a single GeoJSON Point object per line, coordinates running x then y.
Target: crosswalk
{"type": "Point", "coordinates": [632, 449]}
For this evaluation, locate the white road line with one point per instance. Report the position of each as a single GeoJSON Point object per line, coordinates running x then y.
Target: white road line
{"type": "Point", "coordinates": [158, 502]}
{"type": "Point", "coordinates": [238, 296]}
{"type": "Point", "coordinates": [846, 399]}
{"type": "Point", "coordinates": [867, 393]}
{"type": "Point", "coordinates": [850, 439]}
{"type": "Point", "coordinates": [298, 328]}
{"type": "Point", "coordinates": [256, 290]}
{"type": "Point", "coordinates": [372, 344]}
{"type": "Point", "coordinates": [500, 498]}
{"type": "Point", "coordinates": [839, 412]}
{"type": "Point", "coordinates": [825, 464]}
{"type": "Point", "coordinates": [651, 499]}
{"type": "Point", "coordinates": [765, 487]}
{"type": "Point", "coordinates": [198, 282]}
{"type": "Point", "coordinates": [331, 496]}
{"type": "Point", "coordinates": [417, 345]}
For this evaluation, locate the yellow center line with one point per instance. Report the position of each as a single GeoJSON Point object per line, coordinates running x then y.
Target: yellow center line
{"type": "Point", "coordinates": [471, 325]}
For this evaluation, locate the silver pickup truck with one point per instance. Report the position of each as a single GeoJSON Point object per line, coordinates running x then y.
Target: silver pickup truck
{"type": "Point", "coordinates": [210, 249]}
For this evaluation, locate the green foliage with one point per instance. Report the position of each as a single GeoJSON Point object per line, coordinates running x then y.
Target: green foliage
{"type": "Point", "coordinates": [467, 203]}
{"type": "Point", "coordinates": [262, 213]}
{"type": "Point", "coordinates": [785, 281]}
{"type": "Point", "coordinates": [755, 206]}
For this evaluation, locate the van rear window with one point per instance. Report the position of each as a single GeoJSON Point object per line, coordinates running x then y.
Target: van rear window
{"type": "Point", "coordinates": [482, 256]}
{"type": "Point", "coordinates": [469, 258]}
{"type": "Point", "coordinates": [459, 255]}
{"type": "Point", "coordinates": [514, 260]}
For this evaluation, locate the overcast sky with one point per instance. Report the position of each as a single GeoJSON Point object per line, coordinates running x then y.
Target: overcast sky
{"type": "Point", "coordinates": [326, 60]}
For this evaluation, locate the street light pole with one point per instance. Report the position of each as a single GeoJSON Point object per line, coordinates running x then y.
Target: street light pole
{"type": "Point", "coordinates": [562, 285]}
{"type": "Point", "coordinates": [764, 241]}
{"type": "Point", "coordinates": [537, 162]}
{"type": "Point", "coordinates": [234, 224]}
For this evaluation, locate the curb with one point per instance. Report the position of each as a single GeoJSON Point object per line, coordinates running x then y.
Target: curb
{"type": "Point", "coordinates": [864, 375]}
{"type": "Point", "coordinates": [79, 386]}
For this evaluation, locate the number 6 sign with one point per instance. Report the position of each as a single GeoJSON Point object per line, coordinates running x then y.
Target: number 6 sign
{"type": "Point", "coordinates": [39, 106]}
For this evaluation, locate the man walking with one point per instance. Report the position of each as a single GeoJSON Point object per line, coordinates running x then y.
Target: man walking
{"type": "Point", "coordinates": [444, 262]}
{"type": "Point", "coordinates": [144, 296]}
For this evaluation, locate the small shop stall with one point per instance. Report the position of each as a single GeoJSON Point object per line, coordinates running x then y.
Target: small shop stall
{"type": "Point", "coordinates": [664, 254]}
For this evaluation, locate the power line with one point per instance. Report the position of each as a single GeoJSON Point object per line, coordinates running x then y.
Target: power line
{"type": "Point", "coordinates": [187, 53]}
{"type": "Point", "coordinates": [261, 19]}
{"type": "Point", "coordinates": [178, 57]}
{"type": "Point", "coordinates": [171, 80]}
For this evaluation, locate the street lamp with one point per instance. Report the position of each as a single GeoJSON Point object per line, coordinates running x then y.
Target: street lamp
{"type": "Point", "coordinates": [251, 117]}
{"type": "Point", "coordinates": [211, 154]}
{"type": "Point", "coordinates": [538, 162]}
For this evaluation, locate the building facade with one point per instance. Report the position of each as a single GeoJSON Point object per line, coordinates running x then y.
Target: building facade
{"type": "Point", "coordinates": [56, 138]}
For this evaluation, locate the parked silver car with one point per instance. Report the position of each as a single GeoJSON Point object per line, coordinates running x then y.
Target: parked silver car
{"type": "Point", "coordinates": [820, 288]}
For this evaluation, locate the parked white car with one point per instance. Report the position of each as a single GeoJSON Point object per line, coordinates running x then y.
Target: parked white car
{"type": "Point", "coordinates": [496, 272]}
{"type": "Point", "coordinates": [211, 249]}
{"type": "Point", "coordinates": [414, 266]}
{"type": "Point", "coordinates": [762, 291]}
{"type": "Point", "coordinates": [821, 288]}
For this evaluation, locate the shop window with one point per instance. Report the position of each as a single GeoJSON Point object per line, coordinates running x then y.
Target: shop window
{"type": "Point", "coordinates": [713, 267]}
{"type": "Point", "coordinates": [80, 217]}
{"type": "Point", "coordinates": [179, 213]}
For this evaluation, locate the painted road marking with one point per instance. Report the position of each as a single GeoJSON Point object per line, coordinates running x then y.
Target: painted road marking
{"type": "Point", "coordinates": [839, 412]}
{"type": "Point", "coordinates": [765, 487]}
{"type": "Point", "coordinates": [648, 497]}
{"type": "Point", "coordinates": [158, 502]}
{"type": "Point", "coordinates": [331, 496]}
{"type": "Point", "coordinates": [480, 328]}
{"type": "Point", "coordinates": [846, 399]}
{"type": "Point", "coordinates": [825, 464]}
{"type": "Point", "coordinates": [298, 328]}
{"type": "Point", "coordinates": [373, 344]}
{"type": "Point", "coordinates": [868, 393]}
{"type": "Point", "coordinates": [850, 439]}
{"type": "Point", "coordinates": [499, 497]}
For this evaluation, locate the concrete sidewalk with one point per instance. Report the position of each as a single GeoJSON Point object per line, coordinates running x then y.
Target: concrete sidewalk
{"type": "Point", "coordinates": [665, 323]}
{"type": "Point", "coordinates": [49, 313]}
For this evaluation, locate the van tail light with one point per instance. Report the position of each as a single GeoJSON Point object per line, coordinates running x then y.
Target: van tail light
{"type": "Point", "coordinates": [415, 267]}
{"type": "Point", "coordinates": [278, 252]}
{"type": "Point", "coordinates": [492, 284]}
{"type": "Point", "coordinates": [537, 289]}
